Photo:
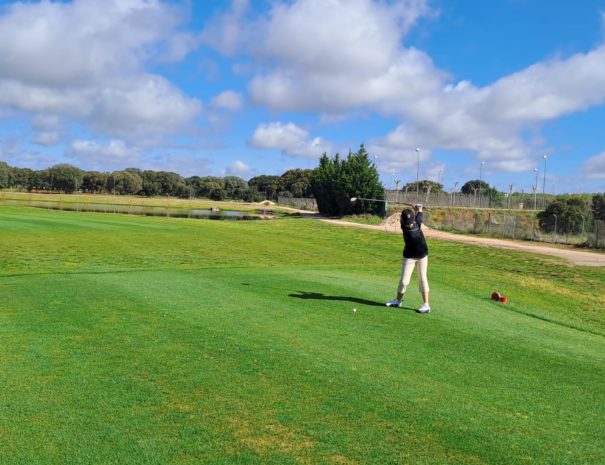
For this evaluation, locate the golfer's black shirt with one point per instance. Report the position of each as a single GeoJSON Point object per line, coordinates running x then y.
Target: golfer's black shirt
{"type": "Point", "coordinates": [415, 243]}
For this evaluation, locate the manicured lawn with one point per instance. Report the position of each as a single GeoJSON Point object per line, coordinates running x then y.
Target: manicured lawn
{"type": "Point", "coordinates": [134, 340]}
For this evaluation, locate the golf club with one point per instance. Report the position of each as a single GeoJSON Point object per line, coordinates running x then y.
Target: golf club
{"type": "Point", "coordinates": [355, 199]}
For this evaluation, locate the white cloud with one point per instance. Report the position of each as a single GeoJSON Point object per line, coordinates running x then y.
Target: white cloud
{"type": "Point", "coordinates": [547, 90]}
{"type": "Point", "coordinates": [115, 153]}
{"type": "Point", "coordinates": [89, 38]}
{"type": "Point", "coordinates": [226, 32]}
{"type": "Point", "coordinates": [179, 46]}
{"type": "Point", "coordinates": [142, 105]}
{"type": "Point", "coordinates": [12, 152]}
{"type": "Point", "coordinates": [45, 122]}
{"type": "Point", "coordinates": [594, 167]}
{"type": "Point", "coordinates": [239, 168]}
{"type": "Point", "coordinates": [291, 139]}
{"type": "Point", "coordinates": [490, 120]}
{"type": "Point", "coordinates": [47, 139]}
{"type": "Point", "coordinates": [183, 164]}
{"type": "Point", "coordinates": [228, 100]}
{"type": "Point", "coordinates": [367, 68]}
{"type": "Point", "coordinates": [85, 61]}
{"type": "Point", "coordinates": [364, 64]}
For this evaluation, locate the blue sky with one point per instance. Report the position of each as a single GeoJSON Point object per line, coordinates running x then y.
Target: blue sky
{"type": "Point", "coordinates": [243, 87]}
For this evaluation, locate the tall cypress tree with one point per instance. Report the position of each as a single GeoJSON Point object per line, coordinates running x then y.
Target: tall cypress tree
{"type": "Point", "coordinates": [335, 181]}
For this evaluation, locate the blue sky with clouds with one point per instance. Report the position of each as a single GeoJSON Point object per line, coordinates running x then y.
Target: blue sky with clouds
{"type": "Point", "coordinates": [247, 87]}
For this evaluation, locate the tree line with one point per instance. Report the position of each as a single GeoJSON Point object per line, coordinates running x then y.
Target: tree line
{"type": "Point", "coordinates": [69, 179]}
{"type": "Point", "coordinates": [333, 183]}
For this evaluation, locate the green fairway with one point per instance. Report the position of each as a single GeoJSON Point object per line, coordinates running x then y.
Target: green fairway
{"type": "Point", "coordinates": [141, 340]}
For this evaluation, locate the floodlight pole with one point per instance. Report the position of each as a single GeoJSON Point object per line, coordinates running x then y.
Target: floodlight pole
{"type": "Point", "coordinates": [544, 185]}
{"type": "Point", "coordinates": [480, 180]}
{"type": "Point", "coordinates": [418, 174]}
{"type": "Point", "coordinates": [535, 188]}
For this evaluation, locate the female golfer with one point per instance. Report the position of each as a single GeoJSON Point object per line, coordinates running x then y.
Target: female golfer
{"type": "Point", "coordinates": [415, 252]}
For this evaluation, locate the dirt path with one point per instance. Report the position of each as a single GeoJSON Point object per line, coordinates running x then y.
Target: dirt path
{"type": "Point", "coordinates": [575, 257]}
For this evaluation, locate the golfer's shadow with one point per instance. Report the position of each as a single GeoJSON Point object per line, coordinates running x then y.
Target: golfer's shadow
{"type": "Point", "coordinates": [320, 296]}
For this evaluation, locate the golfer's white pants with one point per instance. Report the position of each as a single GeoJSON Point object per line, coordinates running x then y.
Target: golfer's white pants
{"type": "Point", "coordinates": [407, 266]}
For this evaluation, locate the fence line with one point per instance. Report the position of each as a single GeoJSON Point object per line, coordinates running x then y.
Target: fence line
{"type": "Point", "coordinates": [298, 202]}
{"type": "Point", "coordinates": [520, 226]}
{"type": "Point", "coordinates": [476, 200]}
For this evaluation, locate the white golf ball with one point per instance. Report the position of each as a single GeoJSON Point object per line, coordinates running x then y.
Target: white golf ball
{"type": "Point", "coordinates": [354, 310]}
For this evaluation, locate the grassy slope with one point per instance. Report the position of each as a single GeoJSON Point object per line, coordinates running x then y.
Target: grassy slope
{"type": "Point", "coordinates": [146, 340]}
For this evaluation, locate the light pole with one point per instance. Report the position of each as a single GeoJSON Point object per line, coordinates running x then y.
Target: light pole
{"type": "Point", "coordinates": [397, 181]}
{"type": "Point", "coordinates": [544, 185]}
{"type": "Point", "coordinates": [454, 196]}
{"type": "Point", "coordinates": [480, 180]}
{"type": "Point", "coordinates": [418, 174]}
{"type": "Point", "coordinates": [535, 187]}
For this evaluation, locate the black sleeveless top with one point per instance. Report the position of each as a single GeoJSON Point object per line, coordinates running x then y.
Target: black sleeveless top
{"type": "Point", "coordinates": [413, 237]}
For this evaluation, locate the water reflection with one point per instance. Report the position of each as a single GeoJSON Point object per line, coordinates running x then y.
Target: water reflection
{"type": "Point", "coordinates": [142, 210]}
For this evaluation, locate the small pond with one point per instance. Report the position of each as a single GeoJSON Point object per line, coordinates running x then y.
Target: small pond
{"type": "Point", "coordinates": [143, 210]}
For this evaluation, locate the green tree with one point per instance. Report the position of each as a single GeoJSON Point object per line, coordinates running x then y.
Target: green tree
{"type": "Point", "coordinates": [94, 182]}
{"type": "Point", "coordinates": [253, 195]}
{"type": "Point", "coordinates": [336, 181]}
{"type": "Point", "coordinates": [171, 184]}
{"type": "Point", "coordinates": [203, 186]}
{"type": "Point", "coordinates": [126, 182]}
{"type": "Point", "coordinates": [423, 186]}
{"type": "Point", "coordinates": [217, 194]}
{"type": "Point", "coordinates": [567, 214]}
{"type": "Point", "coordinates": [66, 177]}
{"type": "Point", "coordinates": [470, 187]}
{"type": "Point", "coordinates": [20, 177]}
{"type": "Point", "coordinates": [38, 180]}
{"type": "Point", "coordinates": [235, 187]}
{"type": "Point", "coordinates": [598, 207]}
{"type": "Point", "coordinates": [4, 175]}
{"type": "Point", "coordinates": [152, 185]}
{"type": "Point", "coordinates": [480, 187]}
{"type": "Point", "coordinates": [268, 186]}
{"type": "Point", "coordinates": [297, 182]}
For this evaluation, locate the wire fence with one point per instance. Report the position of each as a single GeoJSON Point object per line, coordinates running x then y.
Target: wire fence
{"type": "Point", "coordinates": [513, 201]}
{"type": "Point", "coordinates": [299, 203]}
{"type": "Point", "coordinates": [524, 226]}
{"type": "Point", "coordinates": [473, 214]}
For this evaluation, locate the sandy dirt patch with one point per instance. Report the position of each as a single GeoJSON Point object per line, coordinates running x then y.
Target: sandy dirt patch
{"type": "Point", "coordinates": [573, 256]}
